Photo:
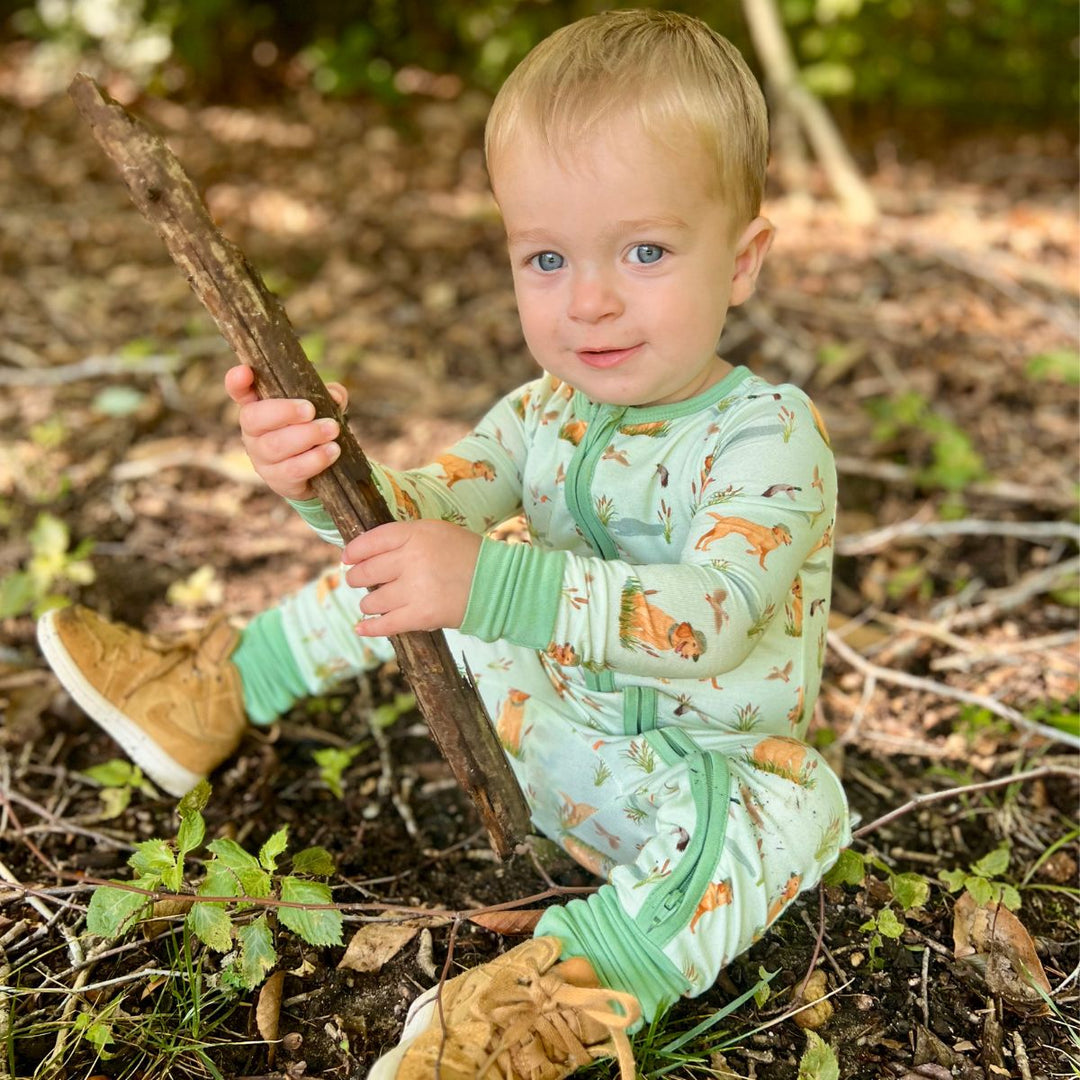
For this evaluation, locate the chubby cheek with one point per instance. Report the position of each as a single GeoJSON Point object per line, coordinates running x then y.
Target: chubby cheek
{"type": "Point", "coordinates": [539, 324]}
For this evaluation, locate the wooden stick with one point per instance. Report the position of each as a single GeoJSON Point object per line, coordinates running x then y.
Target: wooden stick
{"type": "Point", "coordinates": [255, 325]}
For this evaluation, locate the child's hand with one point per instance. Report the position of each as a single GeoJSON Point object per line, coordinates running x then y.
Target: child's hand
{"type": "Point", "coordinates": [286, 444]}
{"type": "Point", "coordinates": [423, 570]}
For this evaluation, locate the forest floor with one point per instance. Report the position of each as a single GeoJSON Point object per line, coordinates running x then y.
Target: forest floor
{"type": "Point", "coordinates": [940, 345]}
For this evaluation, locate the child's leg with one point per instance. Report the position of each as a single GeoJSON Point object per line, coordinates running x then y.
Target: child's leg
{"type": "Point", "coordinates": [305, 645]}
{"type": "Point", "coordinates": [178, 704]}
{"type": "Point", "coordinates": [740, 824]}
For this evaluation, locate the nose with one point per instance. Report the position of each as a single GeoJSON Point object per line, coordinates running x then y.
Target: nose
{"type": "Point", "coordinates": [593, 296]}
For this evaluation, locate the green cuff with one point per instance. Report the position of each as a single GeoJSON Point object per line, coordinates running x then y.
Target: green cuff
{"type": "Point", "coordinates": [515, 594]}
{"type": "Point", "coordinates": [313, 513]}
{"type": "Point", "coordinates": [622, 957]}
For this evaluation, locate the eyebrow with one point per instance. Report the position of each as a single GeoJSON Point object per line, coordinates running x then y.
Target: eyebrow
{"type": "Point", "coordinates": [618, 228]}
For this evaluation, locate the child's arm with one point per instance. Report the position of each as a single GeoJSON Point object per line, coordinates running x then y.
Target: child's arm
{"type": "Point", "coordinates": [422, 569]}
{"type": "Point", "coordinates": [754, 566]}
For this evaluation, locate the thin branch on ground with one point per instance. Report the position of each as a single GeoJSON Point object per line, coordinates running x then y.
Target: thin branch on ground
{"type": "Point", "coordinates": [867, 543]}
{"type": "Point", "coordinates": [957, 792]}
{"type": "Point", "coordinates": [940, 689]}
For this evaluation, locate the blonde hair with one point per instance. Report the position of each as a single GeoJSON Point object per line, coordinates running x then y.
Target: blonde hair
{"type": "Point", "coordinates": [674, 72]}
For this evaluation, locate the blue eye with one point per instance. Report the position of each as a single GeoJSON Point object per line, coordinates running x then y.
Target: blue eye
{"type": "Point", "coordinates": [646, 253]}
{"type": "Point", "coordinates": [547, 261]}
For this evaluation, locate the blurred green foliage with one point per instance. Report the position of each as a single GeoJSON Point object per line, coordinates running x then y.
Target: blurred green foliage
{"type": "Point", "coordinates": [980, 62]}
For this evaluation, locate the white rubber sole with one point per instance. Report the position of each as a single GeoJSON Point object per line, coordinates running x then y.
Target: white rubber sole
{"type": "Point", "coordinates": [166, 772]}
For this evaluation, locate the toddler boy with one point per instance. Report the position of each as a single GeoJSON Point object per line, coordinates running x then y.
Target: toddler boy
{"type": "Point", "coordinates": [652, 658]}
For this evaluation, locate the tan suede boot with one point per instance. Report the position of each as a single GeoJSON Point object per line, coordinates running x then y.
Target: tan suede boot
{"type": "Point", "coordinates": [513, 1018]}
{"type": "Point", "coordinates": [174, 703]}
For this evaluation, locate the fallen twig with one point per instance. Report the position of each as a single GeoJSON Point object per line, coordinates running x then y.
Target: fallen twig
{"type": "Point", "coordinates": [1036, 531]}
{"type": "Point", "coordinates": [916, 682]}
{"type": "Point", "coordinates": [956, 792]}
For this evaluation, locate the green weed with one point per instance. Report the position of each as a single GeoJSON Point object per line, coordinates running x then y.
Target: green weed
{"type": "Point", "coordinates": [980, 880]}
{"type": "Point", "coordinates": [118, 779]}
{"type": "Point", "coordinates": [332, 762]}
{"type": "Point", "coordinates": [909, 892]}
{"type": "Point", "coordinates": [225, 925]}
{"type": "Point", "coordinates": [954, 462]}
{"type": "Point", "coordinates": [35, 589]}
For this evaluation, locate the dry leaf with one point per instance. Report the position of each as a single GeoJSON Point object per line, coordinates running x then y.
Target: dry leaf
{"type": "Point", "coordinates": [162, 915]}
{"type": "Point", "coordinates": [993, 936]}
{"type": "Point", "coordinates": [268, 1011]}
{"type": "Point", "coordinates": [376, 943]}
{"type": "Point", "coordinates": [510, 923]}
{"type": "Point", "coordinates": [820, 1009]}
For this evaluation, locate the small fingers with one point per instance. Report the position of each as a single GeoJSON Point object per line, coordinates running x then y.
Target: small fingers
{"type": "Point", "coordinates": [339, 394]}
{"type": "Point", "coordinates": [259, 417]}
{"type": "Point", "coordinates": [240, 384]}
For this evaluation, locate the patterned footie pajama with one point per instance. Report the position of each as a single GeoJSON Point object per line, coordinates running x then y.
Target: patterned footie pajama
{"type": "Point", "coordinates": [650, 661]}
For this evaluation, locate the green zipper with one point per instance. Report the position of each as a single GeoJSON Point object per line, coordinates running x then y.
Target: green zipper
{"type": "Point", "coordinates": [578, 493]}
{"type": "Point", "coordinates": [670, 907]}
{"type": "Point", "coordinates": [579, 480]}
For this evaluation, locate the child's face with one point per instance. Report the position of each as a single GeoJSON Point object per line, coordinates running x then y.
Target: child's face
{"type": "Point", "coordinates": [624, 264]}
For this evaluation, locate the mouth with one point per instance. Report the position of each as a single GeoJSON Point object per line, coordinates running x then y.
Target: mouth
{"type": "Point", "coordinates": [606, 358]}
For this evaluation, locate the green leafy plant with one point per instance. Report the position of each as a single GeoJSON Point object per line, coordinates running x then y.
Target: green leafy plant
{"type": "Point", "coordinates": [234, 878]}
{"type": "Point", "coordinates": [118, 779]}
{"type": "Point", "coordinates": [818, 1061]}
{"type": "Point", "coordinates": [954, 462]}
{"type": "Point", "coordinates": [33, 589]}
{"type": "Point", "coordinates": [332, 762]}
{"type": "Point", "coordinates": [980, 879]}
{"type": "Point", "coordinates": [908, 891]}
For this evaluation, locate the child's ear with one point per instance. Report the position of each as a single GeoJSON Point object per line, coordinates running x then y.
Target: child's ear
{"type": "Point", "coordinates": [750, 251]}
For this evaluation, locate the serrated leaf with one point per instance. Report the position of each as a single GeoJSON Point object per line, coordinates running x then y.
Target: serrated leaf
{"type": "Point", "coordinates": [819, 1060]}
{"type": "Point", "coordinates": [116, 773]}
{"type": "Point", "coordinates": [910, 890]}
{"type": "Point", "coordinates": [233, 855]}
{"type": "Point", "coordinates": [994, 864]}
{"type": "Point", "coordinates": [849, 869]}
{"type": "Point", "coordinates": [315, 927]}
{"type": "Point", "coordinates": [954, 879]}
{"type": "Point", "coordinates": [173, 878]}
{"type": "Point", "coordinates": [314, 860]}
{"type": "Point", "coordinates": [982, 892]}
{"type": "Point", "coordinates": [195, 800]}
{"type": "Point", "coordinates": [152, 858]}
{"type": "Point", "coordinates": [219, 881]}
{"type": "Point", "coordinates": [274, 846]}
{"type": "Point", "coordinates": [210, 924]}
{"type": "Point", "coordinates": [112, 911]}
{"type": "Point", "coordinates": [255, 882]}
{"type": "Point", "coordinates": [257, 952]}
{"type": "Point", "coordinates": [889, 924]}
{"type": "Point", "coordinates": [191, 832]}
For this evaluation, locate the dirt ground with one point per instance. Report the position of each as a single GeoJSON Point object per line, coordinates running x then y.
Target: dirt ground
{"type": "Point", "coordinates": [940, 345]}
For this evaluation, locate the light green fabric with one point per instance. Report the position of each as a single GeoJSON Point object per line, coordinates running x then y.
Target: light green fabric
{"type": "Point", "coordinates": [515, 594]}
{"type": "Point", "coordinates": [269, 674]}
{"type": "Point", "coordinates": [600, 931]}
